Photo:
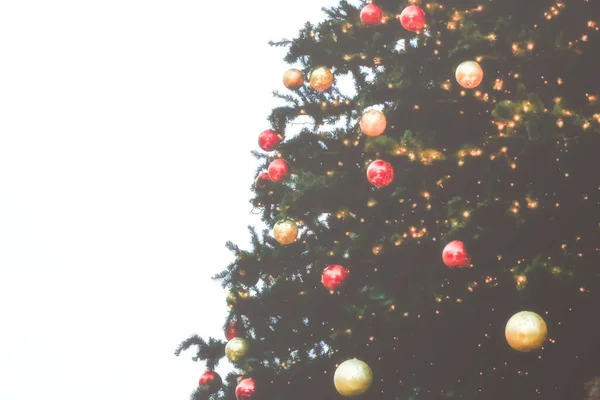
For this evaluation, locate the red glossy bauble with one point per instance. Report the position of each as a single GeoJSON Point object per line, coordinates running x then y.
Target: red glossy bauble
{"type": "Point", "coordinates": [455, 255]}
{"type": "Point", "coordinates": [263, 180]}
{"type": "Point", "coordinates": [278, 170]}
{"type": "Point", "coordinates": [380, 173]}
{"type": "Point", "coordinates": [246, 389]}
{"type": "Point", "coordinates": [210, 381]}
{"type": "Point", "coordinates": [371, 15]}
{"type": "Point", "coordinates": [269, 139]}
{"type": "Point", "coordinates": [232, 330]}
{"type": "Point", "coordinates": [412, 18]}
{"type": "Point", "coordinates": [334, 276]}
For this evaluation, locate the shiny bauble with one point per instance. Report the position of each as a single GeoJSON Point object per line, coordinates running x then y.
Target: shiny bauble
{"type": "Point", "coordinates": [285, 231]}
{"type": "Point", "coordinates": [469, 74]}
{"type": "Point", "coordinates": [246, 389]}
{"type": "Point", "coordinates": [210, 381]}
{"type": "Point", "coordinates": [321, 78]}
{"type": "Point", "coordinates": [526, 331]}
{"type": "Point", "coordinates": [293, 79]}
{"type": "Point", "coordinates": [353, 378]}
{"type": "Point", "coordinates": [380, 173]}
{"type": "Point", "coordinates": [232, 297]}
{"type": "Point", "coordinates": [247, 278]}
{"type": "Point", "coordinates": [371, 15]}
{"type": "Point", "coordinates": [278, 170]}
{"type": "Point", "coordinates": [455, 255]}
{"type": "Point", "coordinates": [373, 123]}
{"type": "Point", "coordinates": [269, 139]}
{"type": "Point", "coordinates": [232, 330]}
{"type": "Point", "coordinates": [412, 18]}
{"type": "Point", "coordinates": [236, 349]}
{"type": "Point", "coordinates": [262, 181]}
{"type": "Point", "coordinates": [334, 276]}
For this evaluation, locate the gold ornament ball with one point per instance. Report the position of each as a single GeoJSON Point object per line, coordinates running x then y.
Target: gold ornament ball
{"type": "Point", "coordinates": [285, 231]}
{"type": "Point", "coordinates": [373, 123]}
{"type": "Point", "coordinates": [469, 74]}
{"type": "Point", "coordinates": [236, 349]}
{"type": "Point", "coordinates": [321, 78]}
{"type": "Point", "coordinates": [293, 79]}
{"type": "Point", "coordinates": [526, 331]}
{"type": "Point", "coordinates": [353, 378]}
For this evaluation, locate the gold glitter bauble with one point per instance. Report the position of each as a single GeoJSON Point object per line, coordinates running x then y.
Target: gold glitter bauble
{"type": "Point", "coordinates": [373, 123]}
{"type": "Point", "coordinates": [232, 298]}
{"type": "Point", "coordinates": [285, 231]}
{"type": "Point", "coordinates": [469, 74]}
{"type": "Point", "coordinates": [353, 378]}
{"type": "Point", "coordinates": [293, 79]}
{"type": "Point", "coordinates": [526, 331]}
{"type": "Point", "coordinates": [321, 78]}
{"type": "Point", "coordinates": [236, 349]}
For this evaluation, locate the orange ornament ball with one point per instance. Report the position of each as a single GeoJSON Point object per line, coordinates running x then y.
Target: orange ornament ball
{"type": "Point", "coordinates": [469, 74]}
{"type": "Point", "coordinates": [293, 79]}
{"type": "Point", "coordinates": [321, 78]}
{"type": "Point", "coordinates": [373, 123]}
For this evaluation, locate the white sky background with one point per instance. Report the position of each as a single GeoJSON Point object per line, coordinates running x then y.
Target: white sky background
{"type": "Point", "coordinates": [125, 135]}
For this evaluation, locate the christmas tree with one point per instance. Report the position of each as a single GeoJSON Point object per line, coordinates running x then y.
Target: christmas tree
{"type": "Point", "coordinates": [433, 227]}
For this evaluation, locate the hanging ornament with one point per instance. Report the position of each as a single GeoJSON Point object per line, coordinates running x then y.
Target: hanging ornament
{"type": "Point", "coordinates": [380, 173]}
{"type": "Point", "coordinates": [334, 276]}
{"type": "Point", "coordinates": [293, 79]}
{"type": "Point", "coordinates": [526, 331]}
{"type": "Point", "coordinates": [232, 298]}
{"type": "Point", "coordinates": [210, 381]}
{"type": "Point", "coordinates": [236, 349]}
{"type": "Point", "coordinates": [232, 330]}
{"type": "Point", "coordinates": [247, 278]}
{"type": "Point", "coordinates": [469, 74]}
{"type": "Point", "coordinates": [353, 378]}
{"type": "Point", "coordinates": [412, 18]}
{"type": "Point", "coordinates": [278, 170]}
{"type": "Point", "coordinates": [371, 15]}
{"type": "Point", "coordinates": [246, 389]}
{"type": "Point", "coordinates": [455, 255]}
{"type": "Point", "coordinates": [373, 123]}
{"type": "Point", "coordinates": [269, 139]}
{"type": "Point", "coordinates": [321, 78]}
{"type": "Point", "coordinates": [285, 231]}
{"type": "Point", "coordinates": [262, 180]}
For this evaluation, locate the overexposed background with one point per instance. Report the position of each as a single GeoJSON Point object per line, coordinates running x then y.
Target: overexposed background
{"type": "Point", "coordinates": [125, 135]}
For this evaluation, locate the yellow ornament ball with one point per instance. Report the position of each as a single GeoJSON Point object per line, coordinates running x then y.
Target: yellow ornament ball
{"type": "Point", "coordinates": [373, 123]}
{"type": "Point", "coordinates": [321, 78]}
{"type": "Point", "coordinates": [526, 331]}
{"type": "Point", "coordinates": [236, 349]}
{"type": "Point", "coordinates": [285, 231]}
{"type": "Point", "coordinates": [293, 79]}
{"type": "Point", "coordinates": [469, 74]}
{"type": "Point", "coordinates": [353, 378]}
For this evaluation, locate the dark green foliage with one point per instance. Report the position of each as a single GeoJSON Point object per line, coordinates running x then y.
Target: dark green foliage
{"type": "Point", "coordinates": [510, 168]}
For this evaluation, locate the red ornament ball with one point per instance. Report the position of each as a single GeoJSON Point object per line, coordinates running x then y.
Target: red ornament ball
{"type": "Point", "coordinates": [455, 255]}
{"type": "Point", "coordinates": [210, 381]}
{"type": "Point", "coordinates": [371, 15]}
{"type": "Point", "coordinates": [334, 276]}
{"type": "Point", "coordinates": [262, 180]}
{"type": "Point", "coordinates": [269, 139]}
{"type": "Point", "coordinates": [232, 331]}
{"type": "Point", "coordinates": [412, 18]}
{"type": "Point", "coordinates": [246, 389]}
{"type": "Point", "coordinates": [380, 173]}
{"type": "Point", "coordinates": [278, 170]}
